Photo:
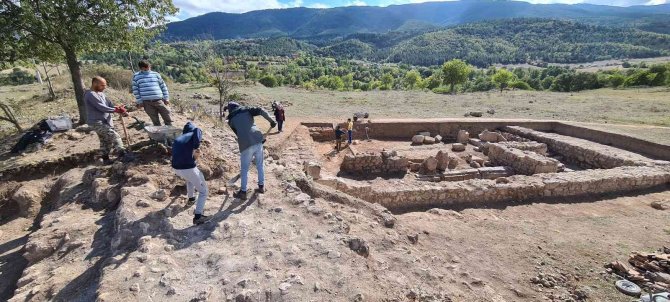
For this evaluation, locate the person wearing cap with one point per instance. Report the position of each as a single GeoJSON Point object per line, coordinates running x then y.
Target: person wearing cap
{"type": "Point", "coordinates": [250, 140]}
{"type": "Point", "coordinates": [185, 152]}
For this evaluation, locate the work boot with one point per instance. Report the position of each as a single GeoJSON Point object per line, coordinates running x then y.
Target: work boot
{"type": "Point", "coordinates": [261, 189]}
{"type": "Point", "coordinates": [240, 195]}
{"type": "Point", "coordinates": [190, 202]}
{"type": "Point", "coordinates": [106, 161]}
{"type": "Point", "coordinates": [199, 219]}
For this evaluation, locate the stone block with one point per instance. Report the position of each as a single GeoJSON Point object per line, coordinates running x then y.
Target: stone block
{"type": "Point", "coordinates": [458, 147]}
{"type": "Point", "coordinates": [418, 139]}
{"type": "Point", "coordinates": [462, 136]}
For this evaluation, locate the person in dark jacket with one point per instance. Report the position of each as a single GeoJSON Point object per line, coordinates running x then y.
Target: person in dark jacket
{"type": "Point", "coordinates": [250, 141]}
{"type": "Point", "coordinates": [185, 151]}
{"type": "Point", "coordinates": [279, 115]}
{"type": "Point", "coordinates": [338, 137]}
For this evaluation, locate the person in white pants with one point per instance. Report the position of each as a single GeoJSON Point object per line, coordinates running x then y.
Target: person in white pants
{"type": "Point", "coordinates": [185, 151]}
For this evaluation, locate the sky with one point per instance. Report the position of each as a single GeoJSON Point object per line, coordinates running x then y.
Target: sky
{"type": "Point", "coordinates": [192, 8]}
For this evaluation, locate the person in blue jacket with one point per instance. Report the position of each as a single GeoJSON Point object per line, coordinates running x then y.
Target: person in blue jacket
{"type": "Point", "coordinates": [185, 151]}
{"type": "Point", "coordinates": [250, 141]}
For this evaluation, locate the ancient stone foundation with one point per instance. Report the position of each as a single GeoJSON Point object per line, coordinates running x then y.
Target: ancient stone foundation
{"type": "Point", "coordinates": [386, 162]}
{"type": "Point", "coordinates": [402, 197]}
{"type": "Point", "coordinates": [523, 162]}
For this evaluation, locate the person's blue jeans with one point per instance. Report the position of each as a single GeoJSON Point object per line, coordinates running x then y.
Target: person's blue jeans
{"type": "Point", "coordinates": [255, 151]}
{"type": "Point", "coordinates": [350, 134]}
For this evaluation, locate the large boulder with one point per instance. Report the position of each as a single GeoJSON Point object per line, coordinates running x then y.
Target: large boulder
{"type": "Point", "coordinates": [28, 198]}
{"type": "Point", "coordinates": [418, 139]}
{"type": "Point", "coordinates": [442, 160]}
{"type": "Point", "coordinates": [428, 140]}
{"type": "Point", "coordinates": [462, 137]}
{"type": "Point", "coordinates": [458, 147]}
{"type": "Point", "coordinates": [312, 169]}
{"type": "Point", "coordinates": [491, 137]}
{"type": "Point", "coordinates": [429, 165]}
{"type": "Point", "coordinates": [438, 139]}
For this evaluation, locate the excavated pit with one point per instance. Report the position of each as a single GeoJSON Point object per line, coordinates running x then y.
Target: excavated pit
{"type": "Point", "coordinates": [407, 165]}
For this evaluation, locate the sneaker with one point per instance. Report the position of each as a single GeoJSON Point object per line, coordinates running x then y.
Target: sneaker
{"type": "Point", "coordinates": [190, 202]}
{"type": "Point", "coordinates": [260, 190]}
{"type": "Point", "coordinates": [240, 195]}
{"type": "Point", "coordinates": [200, 219]}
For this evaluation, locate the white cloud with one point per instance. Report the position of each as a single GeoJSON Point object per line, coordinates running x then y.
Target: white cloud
{"type": "Point", "coordinates": [190, 8]}
{"type": "Point", "coordinates": [357, 3]}
{"type": "Point", "coordinates": [318, 5]}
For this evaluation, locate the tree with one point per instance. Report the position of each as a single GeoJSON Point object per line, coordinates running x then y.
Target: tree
{"type": "Point", "coordinates": [222, 81]}
{"type": "Point", "coordinates": [455, 72]}
{"type": "Point", "coordinates": [412, 79]}
{"type": "Point", "coordinates": [387, 81]}
{"type": "Point", "coordinates": [9, 116]}
{"type": "Point", "coordinates": [77, 26]}
{"type": "Point", "coordinates": [503, 78]}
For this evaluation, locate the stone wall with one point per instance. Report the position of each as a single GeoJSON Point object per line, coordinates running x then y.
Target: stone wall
{"type": "Point", "coordinates": [536, 147]}
{"type": "Point", "coordinates": [386, 162]}
{"type": "Point", "coordinates": [322, 133]}
{"type": "Point", "coordinates": [583, 152]}
{"type": "Point", "coordinates": [404, 197]}
{"type": "Point", "coordinates": [523, 162]}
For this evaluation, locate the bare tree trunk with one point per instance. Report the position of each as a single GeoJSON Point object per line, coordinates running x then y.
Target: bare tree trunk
{"type": "Point", "coordinates": [9, 116]}
{"type": "Point", "coordinates": [130, 62]}
{"type": "Point", "coordinates": [75, 71]}
{"type": "Point", "coordinates": [52, 93]}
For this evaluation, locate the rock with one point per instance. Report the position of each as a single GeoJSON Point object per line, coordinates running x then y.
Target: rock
{"type": "Point", "coordinates": [302, 198]}
{"type": "Point", "coordinates": [477, 159]}
{"type": "Point", "coordinates": [359, 246]}
{"type": "Point", "coordinates": [414, 239]}
{"type": "Point", "coordinates": [462, 137]}
{"type": "Point", "coordinates": [359, 298]}
{"type": "Point", "coordinates": [159, 195]}
{"type": "Point", "coordinates": [418, 139]}
{"type": "Point", "coordinates": [475, 142]}
{"type": "Point", "coordinates": [438, 139]}
{"type": "Point", "coordinates": [37, 250]}
{"type": "Point", "coordinates": [143, 203]}
{"type": "Point", "coordinates": [491, 137]}
{"type": "Point", "coordinates": [283, 287]}
{"type": "Point", "coordinates": [28, 198]}
{"type": "Point", "coordinates": [428, 140]}
{"type": "Point", "coordinates": [458, 147]}
{"type": "Point", "coordinates": [453, 162]}
{"type": "Point", "coordinates": [660, 205]}
{"type": "Point", "coordinates": [429, 165]}
{"type": "Point", "coordinates": [424, 133]}
{"type": "Point", "coordinates": [502, 180]}
{"type": "Point", "coordinates": [221, 190]}
{"type": "Point", "coordinates": [491, 111]}
{"type": "Point", "coordinates": [356, 142]}
{"type": "Point", "coordinates": [388, 220]}
{"type": "Point", "coordinates": [312, 169]}
{"type": "Point", "coordinates": [135, 287]}
{"type": "Point", "coordinates": [442, 160]}
{"type": "Point", "coordinates": [476, 113]}
{"type": "Point", "coordinates": [475, 164]}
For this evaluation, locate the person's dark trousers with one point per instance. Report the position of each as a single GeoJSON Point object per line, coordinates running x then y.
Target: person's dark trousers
{"type": "Point", "coordinates": [280, 125]}
{"type": "Point", "coordinates": [350, 134]}
{"type": "Point", "coordinates": [156, 108]}
{"type": "Point", "coordinates": [338, 144]}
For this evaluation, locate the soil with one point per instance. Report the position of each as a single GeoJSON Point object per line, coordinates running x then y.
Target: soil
{"type": "Point", "coordinates": [98, 233]}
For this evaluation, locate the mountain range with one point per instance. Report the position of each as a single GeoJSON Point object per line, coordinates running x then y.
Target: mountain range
{"type": "Point", "coordinates": [310, 23]}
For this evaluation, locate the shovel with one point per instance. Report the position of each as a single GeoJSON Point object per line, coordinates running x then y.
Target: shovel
{"type": "Point", "coordinates": [125, 131]}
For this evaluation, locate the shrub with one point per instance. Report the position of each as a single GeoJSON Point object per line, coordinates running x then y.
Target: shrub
{"type": "Point", "coordinates": [18, 76]}
{"type": "Point", "coordinates": [441, 90]}
{"type": "Point", "coordinates": [520, 85]}
{"type": "Point", "coordinates": [268, 81]}
{"type": "Point", "coordinates": [119, 79]}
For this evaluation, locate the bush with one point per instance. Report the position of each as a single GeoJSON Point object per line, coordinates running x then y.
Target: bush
{"type": "Point", "coordinates": [441, 90]}
{"type": "Point", "coordinates": [18, 77]}
{"type": "Point", "coordinates": [616, 80]}
{"type": "Point", "coordinates": [520, 85]}
{"type": "Point", "coordinates": [119, 79]}
{"type": "Point", "coordinates": [268, 81]}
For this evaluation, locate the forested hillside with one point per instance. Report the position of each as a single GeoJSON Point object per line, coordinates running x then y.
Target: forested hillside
{"type": "Point", "coordinates": [341, 21]}
{"type": "Point", "coordinates": [529, 40]}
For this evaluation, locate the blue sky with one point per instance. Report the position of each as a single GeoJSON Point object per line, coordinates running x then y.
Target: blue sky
{"type": "Point", "coordinates": [192, 8]}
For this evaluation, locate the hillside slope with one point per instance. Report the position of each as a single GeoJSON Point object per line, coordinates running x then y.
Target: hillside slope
{"type": "Point", "coordinates": [340, 21]}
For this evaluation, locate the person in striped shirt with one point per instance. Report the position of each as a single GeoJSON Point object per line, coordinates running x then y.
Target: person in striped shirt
{"type": "Point", "coordinates": [152, 94]}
